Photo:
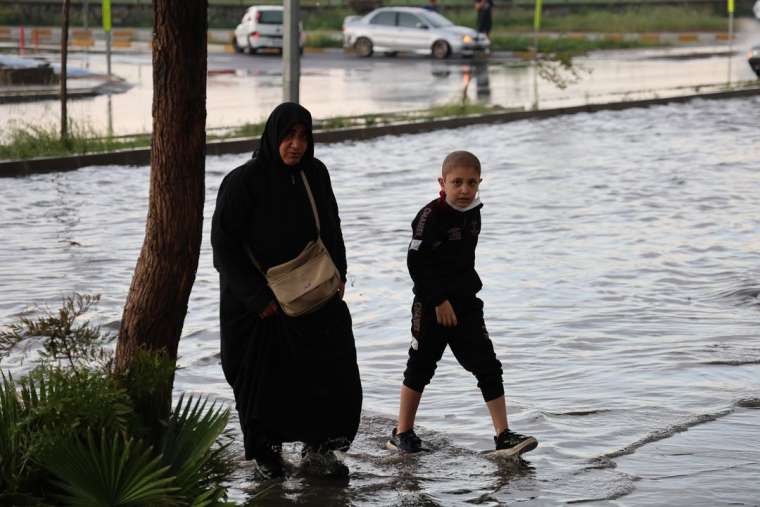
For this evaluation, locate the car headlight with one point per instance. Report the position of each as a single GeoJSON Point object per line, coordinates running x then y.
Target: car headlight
{"type": "Point", "coordinates": [467, 39]}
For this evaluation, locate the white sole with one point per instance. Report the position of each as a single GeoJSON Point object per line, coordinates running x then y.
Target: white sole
{"type": "Point", "coordinates": [524, 446]}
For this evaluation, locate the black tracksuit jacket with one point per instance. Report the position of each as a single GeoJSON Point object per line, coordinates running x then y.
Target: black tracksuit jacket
{"type": "Point", "coordinates": [441, 256]}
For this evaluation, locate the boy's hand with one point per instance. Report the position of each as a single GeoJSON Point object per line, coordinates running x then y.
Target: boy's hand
{"type": "Point", "coordinates": [268, 311]}
{"type": "Point", "coordinates": [445, 315]}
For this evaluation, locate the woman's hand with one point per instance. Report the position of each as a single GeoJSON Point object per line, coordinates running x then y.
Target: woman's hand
{"type": "Point", "coordinates": [445, 315]}
{"type": "Point", "coordinates": [270, 310]}
{"type": "Point", "coordinates": [342, 289]}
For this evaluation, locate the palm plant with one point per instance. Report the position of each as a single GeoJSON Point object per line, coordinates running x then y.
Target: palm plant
{"type": "Point", "coordinates": [121, 472]}
{"type": "Point", "coordinates": [60, 402]}
{"type": "Point", "coordinates": [186, 448]}
{"type": "Point", "coordinates": [13, 443]}
{"type": "Point", "coordinates": [147, 454]}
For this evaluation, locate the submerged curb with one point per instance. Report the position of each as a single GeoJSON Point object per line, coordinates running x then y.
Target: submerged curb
{"type": "Point", "coordinates": [141, 157]}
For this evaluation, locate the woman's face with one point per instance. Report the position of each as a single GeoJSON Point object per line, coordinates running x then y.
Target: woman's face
{"type": "Point", "coordinates": [294, 145]}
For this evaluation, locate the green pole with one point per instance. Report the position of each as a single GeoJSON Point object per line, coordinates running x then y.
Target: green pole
{"type": "Point", "coordinates": [107, 30]}
{"type": "Point", "coordinates": [730, 36]}
{"type": "Point", "coordinates": [537, 15]}
{"type": "Point", "coordinates": [106, 15]}
{"type": "Point", "coordinates": [536, 24]}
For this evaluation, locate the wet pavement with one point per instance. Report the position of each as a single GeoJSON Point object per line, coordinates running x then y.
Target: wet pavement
{"type": "Point", "coordinates": [244, 89]}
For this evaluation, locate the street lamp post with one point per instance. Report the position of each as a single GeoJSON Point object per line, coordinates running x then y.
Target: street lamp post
{"type": "Point", "coordinates": [291, 54]}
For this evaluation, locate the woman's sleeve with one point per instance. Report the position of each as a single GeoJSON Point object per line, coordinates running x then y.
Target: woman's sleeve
{"type": "Point", "coordinates": [231, 260]}
{"type": "Point", "coordinates": [339, 255]}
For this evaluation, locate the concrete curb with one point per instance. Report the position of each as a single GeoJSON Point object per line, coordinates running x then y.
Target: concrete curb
{"type": "Point", "coordinates": [141, 157]}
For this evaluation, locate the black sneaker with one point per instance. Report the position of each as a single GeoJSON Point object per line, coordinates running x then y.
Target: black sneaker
{"type": "Point", "coordinates": [514, 443]}
{"type": "Point", "coordinates": [322, 461]}
{"type": "Point", "coordinates": [407, 441]}
{"type": "Point", "coordinates": [269, 464]}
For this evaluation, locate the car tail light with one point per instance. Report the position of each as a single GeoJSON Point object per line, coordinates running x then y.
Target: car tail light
{"type": "Point", "coordinates": [255, 35]}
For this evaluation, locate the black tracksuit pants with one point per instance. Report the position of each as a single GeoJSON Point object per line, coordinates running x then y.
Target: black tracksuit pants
{"type": "Point", "coordinates": [468, 340]}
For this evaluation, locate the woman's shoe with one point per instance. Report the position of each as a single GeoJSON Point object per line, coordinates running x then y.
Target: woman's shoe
{"type": "Point", "coordinates": [322, 461]}
{"type": "Point", "coordinates": [269, 464]}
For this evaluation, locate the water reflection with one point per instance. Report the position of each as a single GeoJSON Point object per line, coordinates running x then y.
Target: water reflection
{"type": "Point", "coordinates": [479, 72]}
{"type": "Point", "coordinates": [621, 291]}
{"type": "Point", "coordinates": [339, 85]}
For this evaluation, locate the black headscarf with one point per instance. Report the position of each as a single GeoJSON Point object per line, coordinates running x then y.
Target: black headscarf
{"type": "Point", "coordinates": [280, 122]}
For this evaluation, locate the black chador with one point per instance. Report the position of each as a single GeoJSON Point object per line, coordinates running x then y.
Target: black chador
{"type": "Point", "coordinates": [294, 378]}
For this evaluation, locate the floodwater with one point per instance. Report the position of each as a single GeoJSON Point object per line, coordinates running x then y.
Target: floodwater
{"type": "Point", "coordinates": [243, 89]}
{"type": "Point", "coordinates": [620, 257]}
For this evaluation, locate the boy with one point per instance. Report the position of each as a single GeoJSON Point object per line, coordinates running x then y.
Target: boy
{"type": "Point", "coordinates": [441, 261]}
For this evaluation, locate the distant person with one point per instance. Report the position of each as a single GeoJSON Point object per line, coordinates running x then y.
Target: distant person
{"type": "Point", "coordinates": [295, 378]}
{"type": "Point", "coordinates": [431, 6]}
{"type": "Point", "coordinates": [484, 9]}
{"type": "Point", "coordinates": [446, 311]}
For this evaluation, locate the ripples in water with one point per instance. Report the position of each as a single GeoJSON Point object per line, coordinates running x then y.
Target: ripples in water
{"type": "Point", "coordinates": [619, 253]}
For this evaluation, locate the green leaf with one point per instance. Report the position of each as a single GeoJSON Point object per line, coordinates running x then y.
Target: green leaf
{"type": "Point", "coordinates": [115, 472]}
{"type": "Point", "coordinates": [187, 449]}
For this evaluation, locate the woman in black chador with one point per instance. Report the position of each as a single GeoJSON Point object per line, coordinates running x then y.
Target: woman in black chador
{"type": "Point", "coordinates": [295, 379]}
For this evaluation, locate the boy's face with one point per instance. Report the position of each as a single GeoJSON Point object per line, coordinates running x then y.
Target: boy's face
{"type": "Point", "coordinates": [461, 185]}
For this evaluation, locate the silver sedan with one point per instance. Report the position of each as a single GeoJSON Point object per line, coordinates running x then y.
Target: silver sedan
{"type": "Point", "coordinates": [412, 29]}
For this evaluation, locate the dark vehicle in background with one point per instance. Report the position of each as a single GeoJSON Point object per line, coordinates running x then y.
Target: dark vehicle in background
{"type": "Point", "coordinates": [754, 59]}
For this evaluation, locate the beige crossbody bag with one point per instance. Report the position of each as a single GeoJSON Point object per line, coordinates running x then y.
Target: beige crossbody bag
{"type": "Point", "coordinates": [302, 285]}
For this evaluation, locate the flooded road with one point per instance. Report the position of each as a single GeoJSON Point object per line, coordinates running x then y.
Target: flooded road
{"type": "Point", "coordinates": [244, 89]}
{"type": "Point", "coordinates": [620, 258]}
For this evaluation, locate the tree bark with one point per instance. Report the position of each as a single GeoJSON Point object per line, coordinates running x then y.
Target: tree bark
{"type": "Point", "coordinates": [64, 58]}
{"type": "Point", "coordinates": [156, 305]}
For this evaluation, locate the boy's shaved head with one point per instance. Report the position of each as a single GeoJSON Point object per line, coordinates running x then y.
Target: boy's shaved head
{"type": "Point", "coordinates": [459, 158]}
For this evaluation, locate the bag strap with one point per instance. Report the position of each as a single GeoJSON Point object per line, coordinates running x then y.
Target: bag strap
{"type": "Point", "coordinates": [316, 221]}
{"type": "Point", "coordinates": [311, 200]}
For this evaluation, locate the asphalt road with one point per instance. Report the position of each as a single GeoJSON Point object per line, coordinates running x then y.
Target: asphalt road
{"type": "Point", "coordinates": [244, 88]}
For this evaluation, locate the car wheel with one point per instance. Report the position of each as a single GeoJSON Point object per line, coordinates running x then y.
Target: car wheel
{"type": "Point", "coordinates": [363, 47]}
{"type": "Point", "coordinates": [235, 45]}
{"type": "Point", "coordinates": [441, 50]}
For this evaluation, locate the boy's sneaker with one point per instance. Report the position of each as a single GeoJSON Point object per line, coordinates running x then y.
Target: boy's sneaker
{"type": "Point", "coordinates": [514, 443]}
{"type": "Point", "coordinates": [407, 441]}
{"type": "Point", "coordinates": [269, 464]}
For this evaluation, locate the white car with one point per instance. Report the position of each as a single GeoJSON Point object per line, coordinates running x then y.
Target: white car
{"type": "Point", "coordinates": [261, 28]}
{"type": "Point", "coordinates": [393, 29]}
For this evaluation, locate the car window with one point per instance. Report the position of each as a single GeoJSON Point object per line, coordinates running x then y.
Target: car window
{"type": "Point", "coordinates": [436, 20]}
{"type": "Point", "coordinates": [408, 20]}
{"type": "Point", "coordinates": [384, 18]}
{"type": "Point", "coordinates": [270, 17]}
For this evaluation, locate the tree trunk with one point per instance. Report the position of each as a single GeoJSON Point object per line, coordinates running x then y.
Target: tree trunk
{"type": "Point", "coordinates": [64, 58]}
{"type": "Point", "coordinates": [157, 301]}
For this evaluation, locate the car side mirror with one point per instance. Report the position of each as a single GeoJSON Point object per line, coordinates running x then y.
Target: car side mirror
{"type": "Point", "coordinates": [422, 26]}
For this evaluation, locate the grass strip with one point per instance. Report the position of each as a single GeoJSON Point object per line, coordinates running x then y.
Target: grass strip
{"type": "Point", "coordinates": [33, 141]}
